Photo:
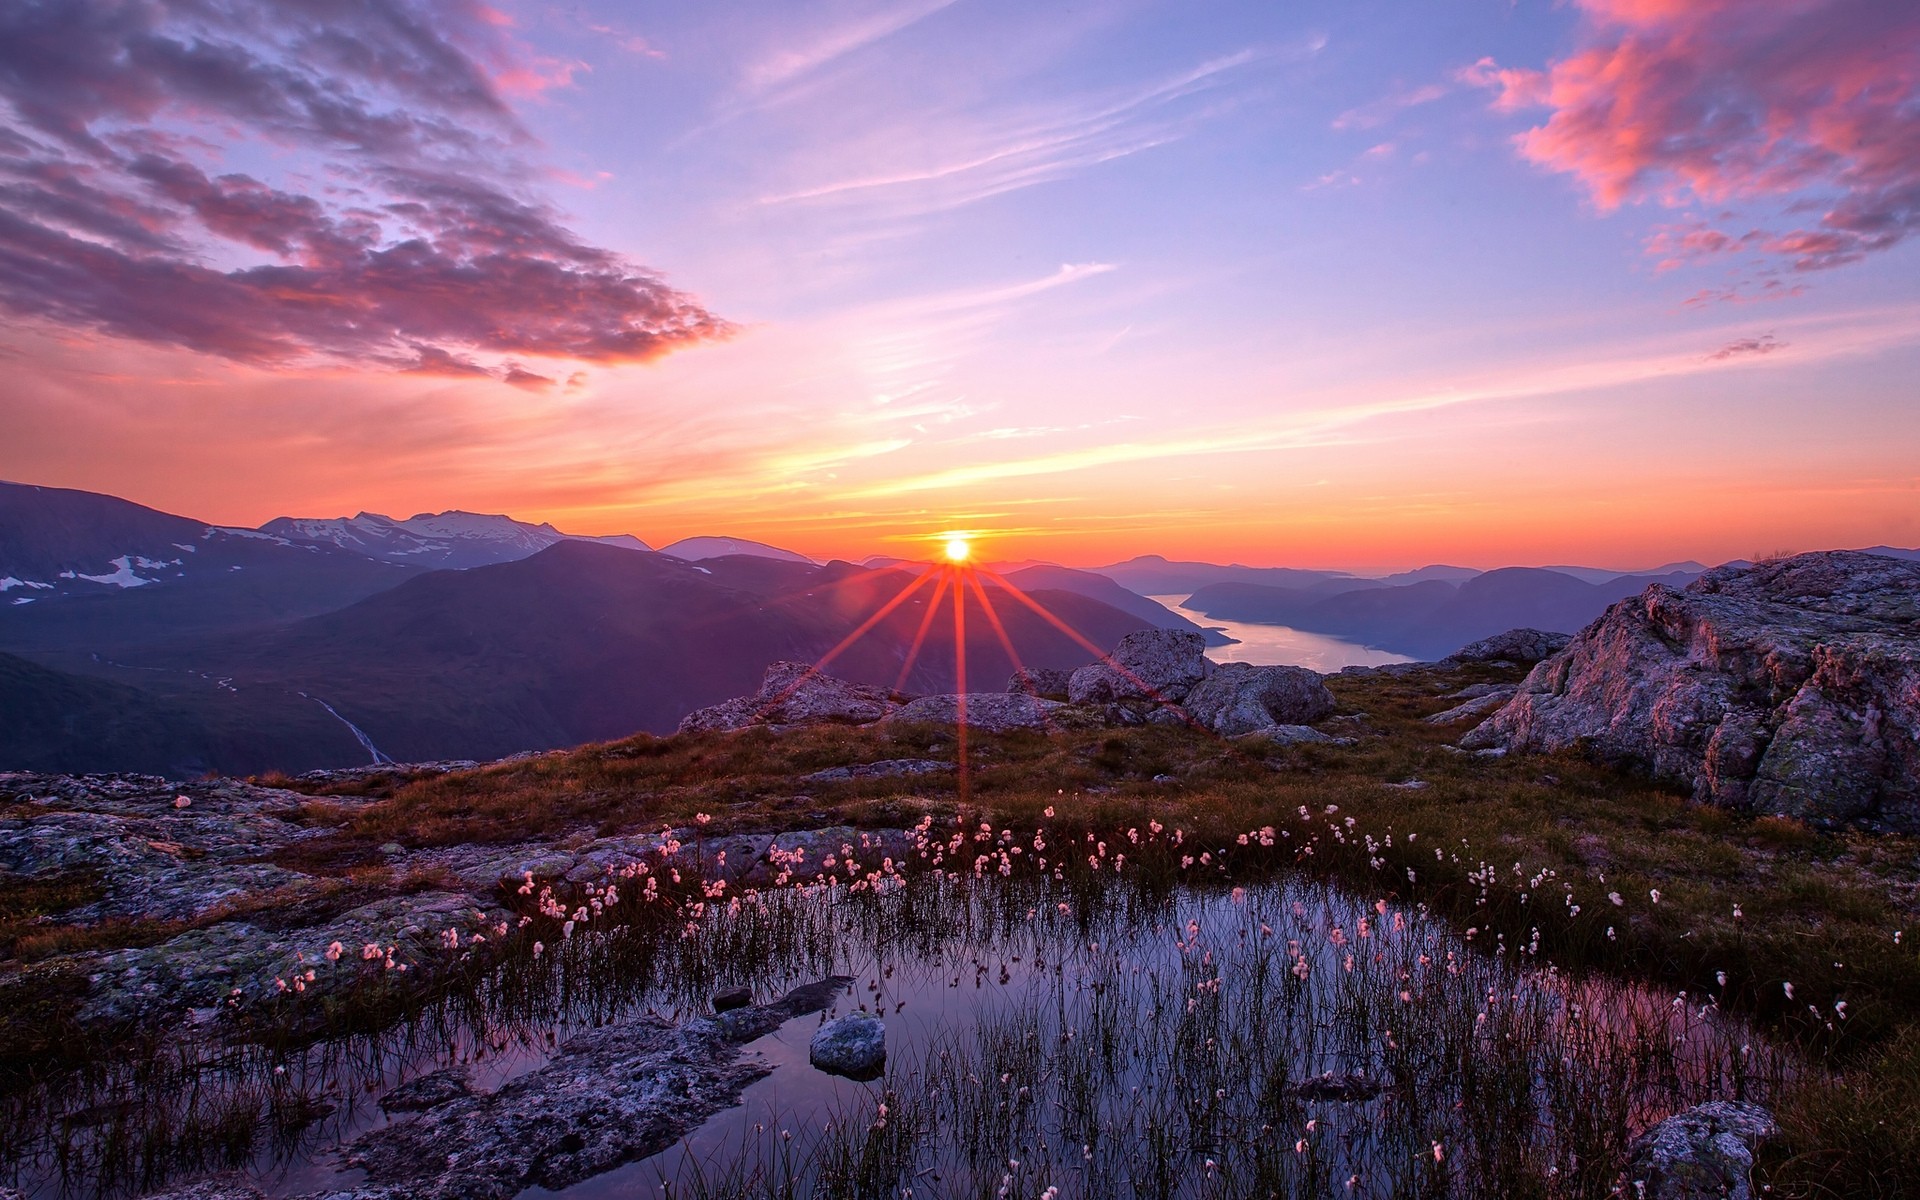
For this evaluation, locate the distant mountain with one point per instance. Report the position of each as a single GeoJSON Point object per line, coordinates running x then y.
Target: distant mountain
{"type": "Point", "coordinates": [1433, 617]}
{"type": "Point", "coordinates": [1152, 575]}
{"type": "Point", "coordinates": [451, 539]}
{"type": "Point", "coordinates": [1436, 571]}
{"type": "Point", "coordinates": [1603, 575]}
{"type": "Point", "coordinates": [577, 643]}
{"type": "Point", "coordinates": [89, 573]}
{"type": "Point", "coordinates": [1105, 590]}
{"type": "Point", "coordinates": [694, 549]}
{"type": "Point", "coordinates": [1893, 552]}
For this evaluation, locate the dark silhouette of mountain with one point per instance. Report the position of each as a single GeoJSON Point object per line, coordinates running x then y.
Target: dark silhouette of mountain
{"type": "Point", "coordinates": [1105, 590]}
{"type": "Point", "coordinates": [451, 539]}
{"type": "Point", "coordinates": [579, 643]}
{"type": "Point", "coordinates": [85, 573]}
{"type": "Point", "coordinates": [1152, 575]}
{"type": "Point", "coordinates": [61, 722]}
{"type": "Point", "coordinates": [1434, 617]}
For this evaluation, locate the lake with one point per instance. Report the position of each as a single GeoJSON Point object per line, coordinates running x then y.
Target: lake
{"type": "Point", "coordinates": [1280, 645]}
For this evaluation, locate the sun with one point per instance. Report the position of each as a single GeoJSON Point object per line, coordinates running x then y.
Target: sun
{"type": "Point", "coordinates": [959, 549]}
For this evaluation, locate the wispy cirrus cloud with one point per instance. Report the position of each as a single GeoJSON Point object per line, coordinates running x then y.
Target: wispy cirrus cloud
{"type": "Point", "coordinates": [420, 247]}
{"type": "Point", "coordinates": [922, 163]}
{"type": "Point", "coordinates": [1807, 104]}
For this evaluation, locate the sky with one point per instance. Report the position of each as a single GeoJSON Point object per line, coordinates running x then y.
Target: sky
{"type": "Point", "coordinates": [1352, 284]}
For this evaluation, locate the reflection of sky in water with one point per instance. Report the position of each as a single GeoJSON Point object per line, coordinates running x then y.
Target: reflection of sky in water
{"type": "Point", "coordinates": [966, 967]}
{"type": "Point", "coordinates": [1279, 645]}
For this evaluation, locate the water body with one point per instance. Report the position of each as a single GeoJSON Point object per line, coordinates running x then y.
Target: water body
{"type": "Point", "coordinates": [1281, 645]}
{"type": "Point", "coordinates": [1128, 1040]}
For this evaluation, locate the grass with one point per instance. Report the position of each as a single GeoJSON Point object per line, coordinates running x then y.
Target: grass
{"type": "Point", "coordinates": [1522, 851]}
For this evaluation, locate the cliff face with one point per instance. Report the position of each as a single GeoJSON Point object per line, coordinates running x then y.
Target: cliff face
{"type": "Point", "coordinates": [1790, 686]}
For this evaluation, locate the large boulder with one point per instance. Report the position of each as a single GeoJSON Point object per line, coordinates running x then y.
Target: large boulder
{"type": "Point", "coordinates": [1241, 698]}
{"type": "Point", "coordinates": [1704, 1153]}
{"type": "Point", "coordinates": [854, 1045]}
{"type": "Point", "coordinates": [1515, 646]}
{"type": "Point", "coordinates": [1149, 664]}
{"type": "Point", "coordinates": [996, 712]}
{"type": "Point", "coordinates": [1789, 687]}
{"type": "Point", "coordinates": [1040, 681]}
{"type": "Point", "coordinates": [794, 693]}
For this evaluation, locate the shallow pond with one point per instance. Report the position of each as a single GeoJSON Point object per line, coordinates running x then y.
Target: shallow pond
{"type": "Point", "coordinates": [1105, 1033]}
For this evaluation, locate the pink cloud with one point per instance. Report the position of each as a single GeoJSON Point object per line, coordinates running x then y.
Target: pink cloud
{"type": "Point", "coordinates": [425, 247]}
{"type": "Point", "coordinates": [1809, 104]}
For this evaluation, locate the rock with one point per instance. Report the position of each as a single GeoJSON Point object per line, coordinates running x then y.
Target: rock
{"type": "Point", "coordinates": [1479, 706]}
{"type": "Point", "coordinates": [429, 1091]}
{"type": "Point", "coordinates": [1149, 664]}
{"type": "Point", "coordinates": [1788, 687]}
{"type": "Point", "coordinates": [1343, 1087]}
{"type": "Point", "coordinates": [1040, 681]}
{"type": "Point", "coordinates": [1410, 785]}
{"type": "Point", "coordinates": [794, 693]}
{"type": "Point", "coordinates": [995, 712]}
{"type": "Point", "coordinates": [608, 1096]}
{"type": "Point", "coordinates": [1513, 646]}
{"type": "Point", "coordinates": [1474, 691]}
{"type": "Point", "coordinates": [732, 998]}
{"type": "Point", "coordinates": [1704, 1153]}
{"type": "Point", "coordinates": [883, 769]}
{"type": "Point", "coordinates": [1295, 735]}
{"type": "Point", "coordinates": [854, 1045]}
{"type": "Point", "coordinates": [207, 1189]}
{"type": "Point", "coordinates": [1241, 698]}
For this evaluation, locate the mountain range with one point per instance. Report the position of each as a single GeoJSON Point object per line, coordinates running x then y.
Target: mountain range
{"type": "Point", "coordinates": [133, 639]}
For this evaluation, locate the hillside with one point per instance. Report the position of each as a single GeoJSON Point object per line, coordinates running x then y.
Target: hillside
{"type": "Point", "coordinates": [578, 643]}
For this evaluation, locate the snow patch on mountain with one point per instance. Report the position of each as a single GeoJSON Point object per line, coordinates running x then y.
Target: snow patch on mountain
{"type": "Point", "coordinates": [695, 548]}
{"type": "Point", "coordinates": [452, 539]}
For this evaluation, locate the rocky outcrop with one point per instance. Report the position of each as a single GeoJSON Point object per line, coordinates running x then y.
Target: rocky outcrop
{"type": "Point", "coordinates": [607, 1097]}
{"type": "Point", "coordinates": [794, 693]}
{"type": "Point", "coordinates": [1150, 664]}
{"type": "Point", "coordinates": [1704, 1153]}
{"type": "Point", "coordinates": [854, 1045]}
{"type": "Point", "coordinates": [1788, 687]}
{"type": "Point", "coordinates": [1239, 698]}
{"type": "Point", "coordinates": [996, 712]}
{"type": "Point", "coordinates": [1474, 706]}
{"type": "Point", "coordinates": [1040, 681]}
{"type": "Point", "coordinates": [1514, 646]}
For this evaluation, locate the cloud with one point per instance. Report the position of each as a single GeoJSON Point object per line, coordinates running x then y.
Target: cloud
{"type": "Point", "coordinates": [1807, 105]}
{"type": "Point", "coordinates": [421, 248]}
{"type": "Point", "coordinates": [1766, 343]}
{"type": "Point", "coordinates": [1379, 112]}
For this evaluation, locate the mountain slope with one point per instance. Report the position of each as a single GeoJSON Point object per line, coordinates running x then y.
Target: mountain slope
{"type": "Point", "coordinates": [1105, 590]}
{"type": "Point", "coordinates": [451, 539]}
{"type": "Point", "coordinates": [85, 573]}
{"type": "Point", "coordinates": [1152, 575]}
{"type": "Point", "coordinates": [583, 642]}
{"type": "Point", "coordinates": [61, 722]}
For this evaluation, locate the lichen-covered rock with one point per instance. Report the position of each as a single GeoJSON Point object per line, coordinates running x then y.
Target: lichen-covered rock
{"type": "Point", "coordinates": [1475, 706]}
{"type": "Point", "coordinates": [1241, 698]}
{"type": "Point", "coordinates": [794, 693]}
{"type": "Point", "coordinates": [607, 1097]}
{"type": "Point", "coordinates": [1515, 646]}
{"type": "Point", "coordinates": [1704, 1153]}
{"type": "Point", "coordinates": [1788, 687]}
{"type": "Point", "coordinates": [1040, 681]}
{"type": "Point", "coordinates": [995, 712]}
{"type": "Point", "coordinates": [884, 769]}
{"type": "Point", "coordinates": [854, 1045]}
{"type": "Point", "coordinates": [1149, 664]}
